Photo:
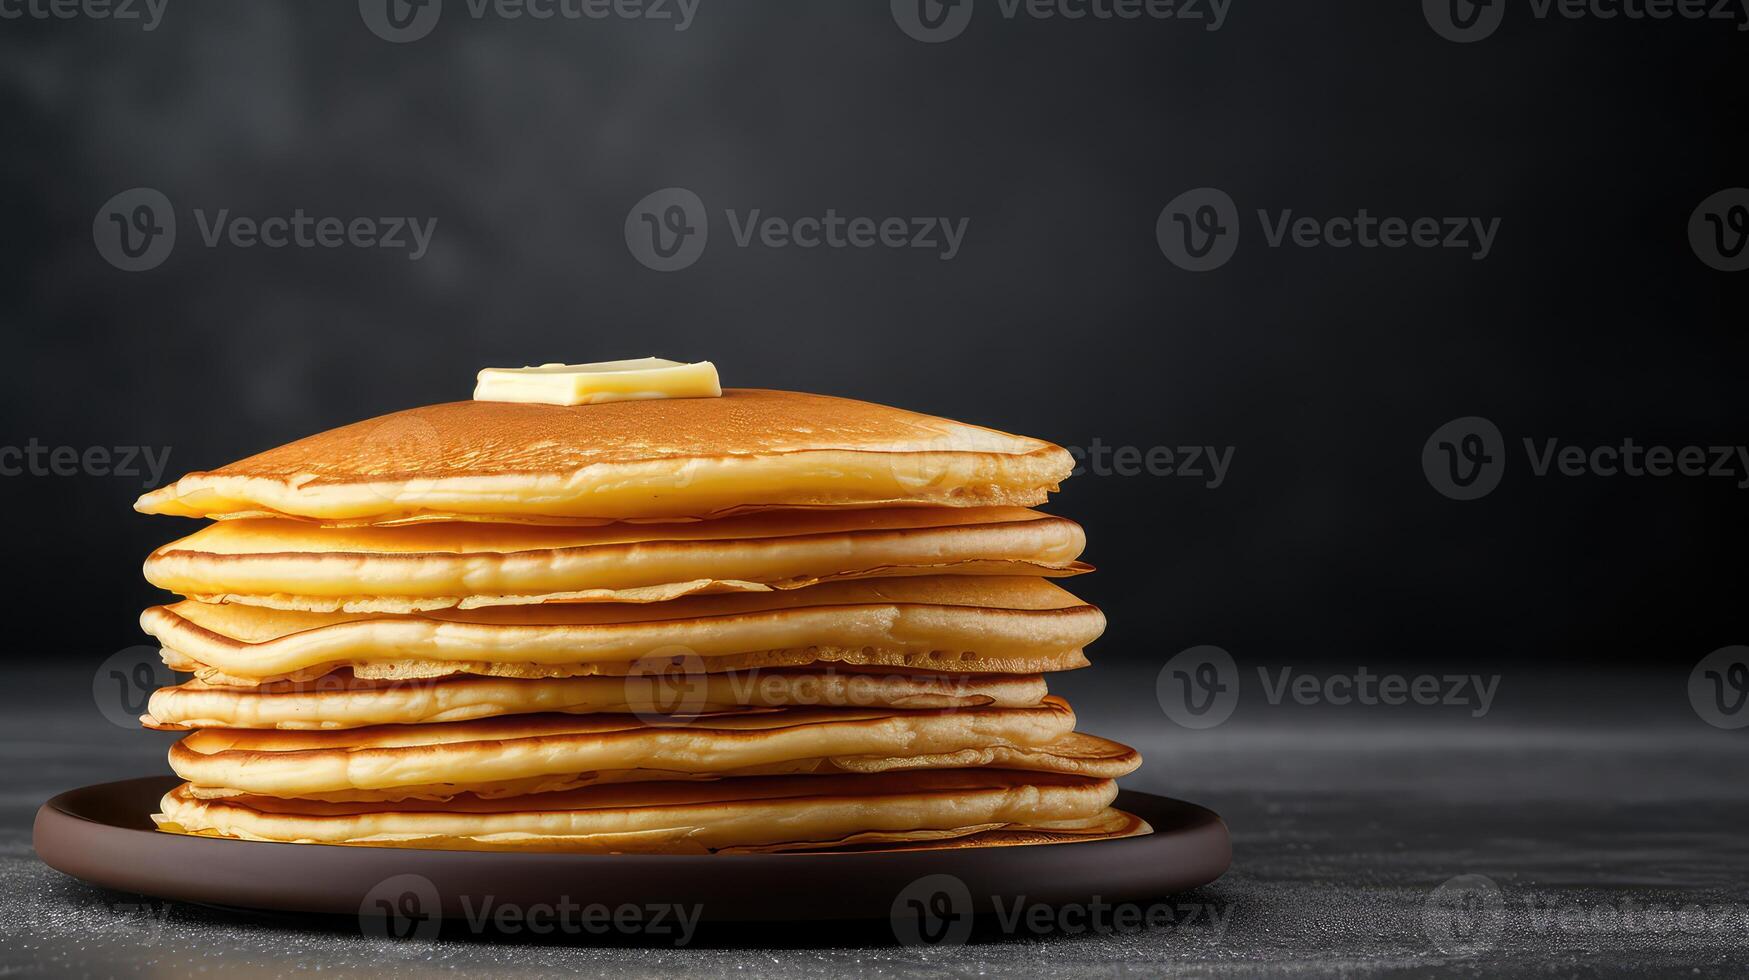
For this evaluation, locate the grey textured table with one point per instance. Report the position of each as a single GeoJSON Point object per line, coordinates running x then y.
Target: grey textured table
{"type": "Point", "coordinates": [1606, 821]}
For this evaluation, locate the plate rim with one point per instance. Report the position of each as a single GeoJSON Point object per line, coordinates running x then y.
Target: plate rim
{"type": "Point", "coordinates": [1192, 849]}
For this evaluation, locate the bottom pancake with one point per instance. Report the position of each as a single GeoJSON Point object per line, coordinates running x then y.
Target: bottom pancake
{"type": "Point", "coordinates": [757, 814]}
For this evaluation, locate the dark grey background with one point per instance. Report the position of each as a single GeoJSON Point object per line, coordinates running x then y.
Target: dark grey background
{"type": "Point", "coordinates": [1592, 141]}
{"type": "Point", "coordinates": [1592, 320]}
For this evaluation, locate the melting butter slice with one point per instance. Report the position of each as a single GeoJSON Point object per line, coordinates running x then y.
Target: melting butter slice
{"type": "Point", "coordinates": [602, 381]}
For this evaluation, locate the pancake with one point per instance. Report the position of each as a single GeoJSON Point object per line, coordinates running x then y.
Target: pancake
{"type": "Point", "coordinates": [517, 755]}
{"type": "Point", "coordinates": [1110, 825]}
{"type": "Point", "coordinates": [296, 565]}
{"type": "Point", "coordinates": [962, 624]}
{"type": "Point", "coordinates": [664, 458]}
{"type": "Point", "coordinates": [1076, 754]}
{"type": "Point", "coordinates": [341, 700]}
{"type": "Point", "coordinates": [754, 814]}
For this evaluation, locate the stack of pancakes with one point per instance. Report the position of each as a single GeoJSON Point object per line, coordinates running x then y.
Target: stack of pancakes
{"type": "Point", "coordinates": [759, 622]}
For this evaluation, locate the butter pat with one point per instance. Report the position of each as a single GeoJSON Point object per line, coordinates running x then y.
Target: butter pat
{"type": "Point", "coordinates": [602, 381]}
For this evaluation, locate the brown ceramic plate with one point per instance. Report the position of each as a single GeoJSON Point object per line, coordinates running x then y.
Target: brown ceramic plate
{"type": "Point", "coordinates": [102, 835]}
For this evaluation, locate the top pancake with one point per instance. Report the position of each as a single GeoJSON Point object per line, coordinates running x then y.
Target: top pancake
{"type": "Point", "coordinates": [661, 459]}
